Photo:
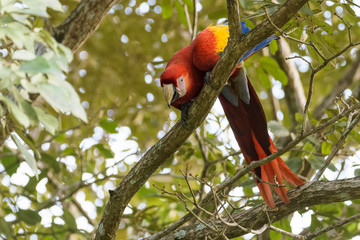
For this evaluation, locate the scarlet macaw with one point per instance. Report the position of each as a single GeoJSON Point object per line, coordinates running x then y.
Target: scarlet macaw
{"type": "Point", "coordinates": [182, 81]}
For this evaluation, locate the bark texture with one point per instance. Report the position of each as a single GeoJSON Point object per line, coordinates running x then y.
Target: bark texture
{"type": "Point", "coordinates": [82, 22]}
{"type": "Point", "coordinates": [310, 194]}
{"type": "Point", "coordinates": [294, 91]}
{"type": "Point", "coordinates": [156, 155]}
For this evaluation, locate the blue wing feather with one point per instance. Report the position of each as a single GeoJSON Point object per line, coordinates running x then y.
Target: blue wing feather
{"type": "Point", "coordinates": [258, 47]}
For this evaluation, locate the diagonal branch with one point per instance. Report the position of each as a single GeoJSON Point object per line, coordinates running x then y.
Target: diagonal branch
{"type": "Point", "coordinates": [353, 218]}
{"type": "Point", "coordinates": [307, 195]}
{"type": "Point", "coordinates": [166, 146]}
{"type": "Point", "coordinates": [294, 91]}
{"type": "Point", "coordinates": [208, 198]}
{"type": "Point", "coordinates": [82, 22]}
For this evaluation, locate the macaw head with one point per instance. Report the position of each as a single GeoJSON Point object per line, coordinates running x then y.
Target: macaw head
{"type": "Point", "coordinates": [173, 83]}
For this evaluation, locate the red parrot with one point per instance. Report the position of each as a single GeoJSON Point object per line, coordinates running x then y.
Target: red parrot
{"type": "Point", "coordinates": [185, 75]}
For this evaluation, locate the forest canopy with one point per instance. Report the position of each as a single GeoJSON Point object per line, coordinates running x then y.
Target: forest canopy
{"type": "Point", "coordinates": [90, 149]}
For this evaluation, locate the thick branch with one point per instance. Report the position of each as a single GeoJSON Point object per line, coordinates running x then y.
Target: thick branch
{"type": "Point", "coordinates": [82, 22]}
{"type": "Point", "coordinates": [306, 195]}
{"type": "Point", "coordinates": [294, 91]}
{"type": "Point", "coordinates": [161, 151]}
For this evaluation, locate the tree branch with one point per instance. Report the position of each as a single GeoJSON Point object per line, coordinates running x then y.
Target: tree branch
{"type": "Point", "coordinates": [307, 195]}
{"type": "Point", "coordinates": [208, 198]}
{"type": "Point", "coordinates": [166, 146]}
{"type": "Point", "coordinates": [294, 91]}
{"type": "Point", "coordinates": [352, 75]}
{"type": "Point", "coordinates": [82, 22]}
{"type": "Point", "coordinates": [332, 226]}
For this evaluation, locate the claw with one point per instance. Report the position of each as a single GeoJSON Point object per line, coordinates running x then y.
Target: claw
{"type": "Point", "coordinates": [207, 77]}
{"type": "Point", "coordinates": [185, 124]}
{"type": "Point", "coordinates": [184, 113]}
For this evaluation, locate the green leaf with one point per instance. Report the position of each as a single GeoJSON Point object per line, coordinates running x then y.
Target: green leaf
{"type": "Point", "coordinates": [31, 185]}
{"type": "Point", "coordinates": [190, 4]}
{"type": "Point", "coordinates": [278, 129]}
{"type": "Point", "coordinates": [17, 33]}
{"type": "Point", "coordinates": [282, 224]}
{"type": "Point", "coordinates": [53, 4]}
{"type": "Point", "coordinates": [36, 10]}
{"type": "Point", "coordinates": [106, 152]}
{"type": "Point", "coordinates": [294, 163]}
{"type": "Point", "coordinates": [50, 122]}
{"type": "Point", "coordinates": [324, 25]}
{"type": "Point", "coordinates": [167, 9]}
{"type": "Point", "coordinates": [325, 44]}
{"type": "Point", "coordinates": [21, 18]}
{"type": "Point", "coordinates": [230, 168]}
{"type": "Point", "coordinates": [62, 96]}
{"type": "Point", "coordinates": [21, 98]}
{"type": "Point", "coordinates": [108, 126]}
{"type": "Point", "coordinates": [307, 11]}
{"type": "Point", "coordinates": [23, 55]}
{"type": "Point", "coordinates": [66, 51]}
{"type": "Point", "coordinates": [272, 67]}
{"type": "Point", "coordinates": [38, 65]}
{"type": "Point", "coordinates": [331, 210]}
{"type": "Point", "coordinates": [316, 162]}
{"type": "Point", "coordinates": [326, 148]}
{"type": "Point", "coordinates": [315, 223]}
{"type": "Point", "coordinates": [10, 161]}
{"type": "Point", "coordinates": [308, 147]}
{"type": "Point", "coordinates": [299, 117]}
{"type": "Point", "coordinates": [69, 220]}
{"type": "Point", "coordinates": [5, 228]}
{"type": "Point", "coordinates": [28, 157]}
{"type": "Point", "coordinates": [357, 172]}
{"type": "Point", "coordinates": [263, 77]}
{"type": "Point", "coordinates": [51, 161]}
{"type": "Point", "coordinates": [248, 191]}
{"type": "Point", "coordinates": [17, 112]}
{"type": "Point", "coordinates": [181, 13]}
{"type": "Point", "coordinates": [332, 167]}
{"type": "Point", "coordinates": [273, 46]}
{"type": "Point", "coordinates": [30, 217]}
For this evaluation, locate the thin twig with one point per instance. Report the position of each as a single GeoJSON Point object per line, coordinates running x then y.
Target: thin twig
{"type": "Point", "coordinates": [271, 184]}
{"type": "Point", "coordinates": [357, 5]}
{"type": "Point", "coordinates": [188, 21]}
{"type": "Point", "coordinates": [6, 45]}
{"type": "Point", "coordinates": [333, 226]}
{"type": "Point", "coordinates": [188, 184]}
{"type": "Point", "coordinates": [207, 199]}
{"type": "Point", "coordinates": [338, 145]}
{"type": "Point", "coordinates": [314, 71]}
{"type": "Point", "coordinates": [195, 21]}
{"type": "Point", "coordinates": [283, 232]}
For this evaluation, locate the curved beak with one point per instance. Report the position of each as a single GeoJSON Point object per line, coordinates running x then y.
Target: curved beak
{"type": "Point", "coordinates": [170, 93]}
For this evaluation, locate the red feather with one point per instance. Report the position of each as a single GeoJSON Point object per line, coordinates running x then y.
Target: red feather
{"type": "Point", "coordinates": [247, 121]}
{"type": "Point", "coordinates": [249, 125]}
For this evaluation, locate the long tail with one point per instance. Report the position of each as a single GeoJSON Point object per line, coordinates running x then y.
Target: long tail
{"type": "Point", "coordinates": [249, 125]}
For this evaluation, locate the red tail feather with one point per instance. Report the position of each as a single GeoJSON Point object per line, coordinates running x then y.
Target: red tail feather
{"type": "Point", "coordinates": [249, 125]}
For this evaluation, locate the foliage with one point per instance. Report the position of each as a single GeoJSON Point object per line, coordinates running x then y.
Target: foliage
{"type": "Point", "coordinates": [75, 160]}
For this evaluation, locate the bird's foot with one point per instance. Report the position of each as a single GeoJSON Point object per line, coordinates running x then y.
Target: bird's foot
{"type": "Point", "coordinates": [207, 77]}
{"type": "Point", "coordinates": [184, 113]}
